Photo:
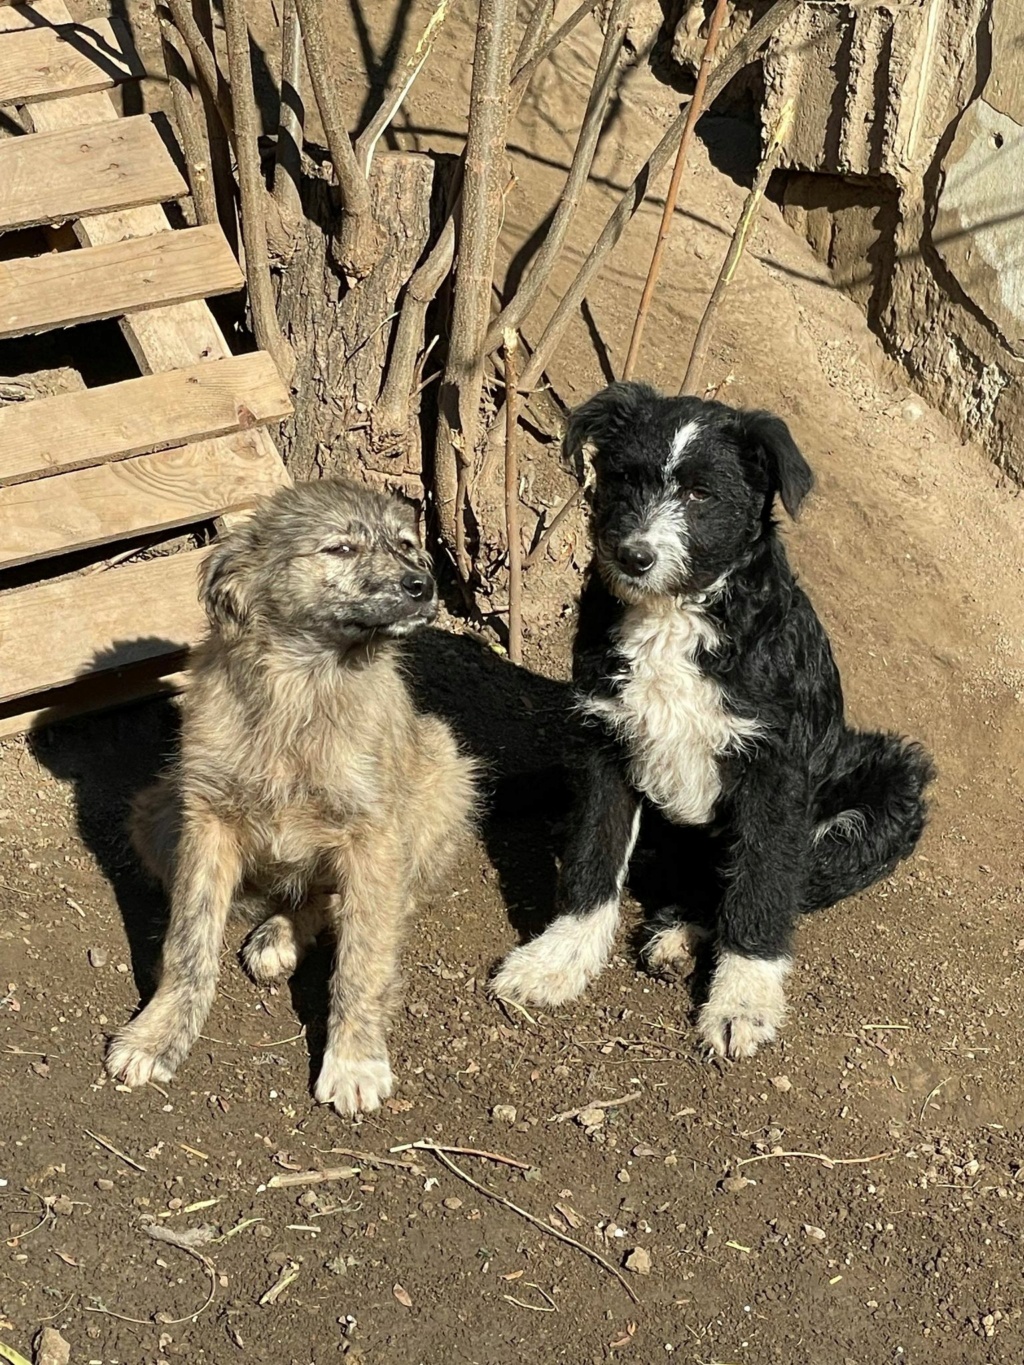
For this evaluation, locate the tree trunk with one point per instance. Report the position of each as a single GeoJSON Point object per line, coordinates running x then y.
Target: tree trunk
{"type": "Point", "coordinates": [342, 336]}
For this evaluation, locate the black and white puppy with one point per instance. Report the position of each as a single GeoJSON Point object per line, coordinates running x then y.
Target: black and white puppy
{"type": "Point", "coordinates": [710, 691]}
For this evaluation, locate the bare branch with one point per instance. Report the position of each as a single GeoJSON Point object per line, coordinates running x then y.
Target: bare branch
{"type": "Point", "coordinates": [514, 312]}
{"type": "Point", "coordinates": [477, 239]}
{"type": "Point", "coordinates": [537, 552]}
{"type": "Point", "coordinates": [693, 113]}
{"type": "Point", "coordinates": [515, 549]}
{"type": "Point", "coordinates": [191, 127]}
{"type": "Point", "coordinates": [528, 62]}
{"type": "Point", "coordinates": [204, 60]}
{"type": "Point", "coordinates": [250, 179]}
{"type": "Point", "coordinates": [735, 60]}
{"type": "Point", "coordinates": [534, 33]}
{"type": "Point", "coordinates": [291, 120]}
{"type": "Point", "coordinates": [768, 163]}
{"type": "Point", "coordinates": [357, 246]}
{"type": "Point", "coordinates": [367, 141]}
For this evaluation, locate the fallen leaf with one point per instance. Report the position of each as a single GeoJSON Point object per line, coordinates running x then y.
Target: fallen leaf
{"type": "Point", "coordinates": [398, 1106]}
{"type": "Point", "coordinates": [402, 1295]}
{"type": "Point", "coordinates": [514, 1275]}
{"type": "Point", "coordinates": [68, 1260]}
{"type": "Point", "coordinates": [570, 1215]}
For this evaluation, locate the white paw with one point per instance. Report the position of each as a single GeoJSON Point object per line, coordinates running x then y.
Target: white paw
{"type": "Point", "coordinates": [271, 953]}
{"type": "Point", "coordinates": [669, 952]}
{"type": "Point", "coordinates": [746, 1006]}
{"type": "Point", "coordinates": [134, 1063]}
{"type": "Point", "coordinates": [354, 1085]}
{"type": "Point", "coordinates": [559, 965]}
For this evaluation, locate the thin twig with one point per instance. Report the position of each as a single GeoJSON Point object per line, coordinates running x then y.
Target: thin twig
{"type": "Point", "coordinates": [535, 31]}
{"type": "Point", "coordinates": [291, 120]}
{"type": "Point", "coordinates": [424, 1146]}
{"type": "Point", "coordinates": [930, 1096]}
{"type": "Point", "coordinates": [184, 1242]}
{"type": "Point", "coordinates": [556, 521]}
{"type": "Point", "coordinates": [828, 1161]}
{"type": "Point", "coordinates": [533, 1307]}
{"type": "Point", "coordinates": [105, 1142]}
{"type": "Point", "coordinates": [537, 1222]}
{"type": "Point", "coordinates": [515, 548]}
{"type": "Point", "coordinates": [391, 103]}
{"type": "Point", "coordinates": [523, 300]}
{"type": "Point", "coordinates": [527, 63]}
{"type": "Point", "coordinates": [283, 1182]}
{"type": "Point", "coordinates": [461, 392]}
{"type": "Point", "coordinates": [735, 60]}
{"type": "Point", "coordinates": [368, 1159]}
{"type": "Point", "coordinates": [205, 61]}
{"type": "Point", "coordinates": [357, 246]}
{"type": "Point", "coordinates": [250, 179]}
{"type": "Point", "coordinates": [693, 113]}
{"type": "Point", "coordinates": [595, 1104]}
{"type": "Point", "coordinates": [732, 259]}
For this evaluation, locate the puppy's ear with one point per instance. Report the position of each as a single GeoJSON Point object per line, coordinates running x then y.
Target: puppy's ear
{"type": "Point", "coordinates": [225, 584]}
{"type": "Point", "coordinates": [607, 417]}
{"type": "Point", "coordinates": [789, 474]}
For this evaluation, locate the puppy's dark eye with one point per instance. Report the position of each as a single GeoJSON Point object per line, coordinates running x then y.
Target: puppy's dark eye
{"type": "Point", "coordinates": [343, 548]}
{"type": "Point", "coordinates": [696, 494]}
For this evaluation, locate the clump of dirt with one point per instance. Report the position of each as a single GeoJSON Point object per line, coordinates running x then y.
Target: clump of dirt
{"type": "Point", "coordinates": [853, 1195]}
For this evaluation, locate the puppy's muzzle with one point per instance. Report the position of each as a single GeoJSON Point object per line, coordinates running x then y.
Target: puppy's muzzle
{"type": "Point", "coordinates": [635, 557]}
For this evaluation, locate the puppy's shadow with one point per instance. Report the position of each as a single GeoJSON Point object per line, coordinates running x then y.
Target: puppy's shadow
{"type": "Point", "coordinates": [107, 757]}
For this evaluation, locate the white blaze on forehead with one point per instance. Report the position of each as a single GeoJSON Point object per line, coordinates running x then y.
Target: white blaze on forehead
{"type": "Point", "coordinates": [681, 440]}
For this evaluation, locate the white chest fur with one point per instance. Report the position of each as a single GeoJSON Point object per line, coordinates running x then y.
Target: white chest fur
{"type": "Point", "coordinates": [672, 715]}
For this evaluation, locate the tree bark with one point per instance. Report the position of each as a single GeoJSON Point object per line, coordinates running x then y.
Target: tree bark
{"type": "Point", "coordinates": [341, 335]}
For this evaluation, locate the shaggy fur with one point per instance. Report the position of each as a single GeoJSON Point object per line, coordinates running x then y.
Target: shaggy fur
{"type": "Point", "coordinates": [309, 793]}
{"type": "Point", "coordinates": [711, 692]}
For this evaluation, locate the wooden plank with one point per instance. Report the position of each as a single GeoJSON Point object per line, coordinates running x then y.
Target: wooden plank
{"type": "Point", "coordinates": [75, 430]}
{"type": "Point", "coordinates": [134, 497]}
{"type": "Point", "coordinates": [41, 293]}
{"type": "Point", "coordinates": [125, 687]}
{"type": "Point", "coordinates": [35, 15]}
{"type": "Point", "coordinates": [51, 177]}
{"type": "Point", "coordinates": [75, 59]}
{"type": "Point", "coordinates": [54, 633]}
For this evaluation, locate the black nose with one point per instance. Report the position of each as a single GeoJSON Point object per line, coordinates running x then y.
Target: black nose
{"type": "Point", "coordinates": [636, 557]}
{"type": "Point", "coordinates": [417, 586]}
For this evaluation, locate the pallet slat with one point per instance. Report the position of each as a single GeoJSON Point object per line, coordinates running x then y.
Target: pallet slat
{"type": "Point", "coordinates": [51, 177]}
{"type": "Point", "coordinates": [42, 293]}
{"type": "Point", "coordinates": [54, 633]}
{"type": "Point", "coordinates": [74, 430]}
{"type": "Point", "coordinates": [37, 14]}
{"type": "Point", "coordinates": [48, 63]}
{"type": "Point", "coordinates": [135, 497]}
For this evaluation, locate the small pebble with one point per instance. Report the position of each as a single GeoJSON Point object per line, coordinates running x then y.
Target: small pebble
{"type": "Point", "coordinates": [732, 1184]}
{"type": "Point", "coordinates": [782, 1083]}
{"type": "Point", "coordinates": [504, 1113]}
{"type": "Point", "coordinates": [104, 1185]}
{"type": "Point", "coordinates": [590, 1118]}
{"type": "Point", "coordinates": [452, 1203]}
{"type": "Point", "coordinates": [97, 957]}
{"type": "Point", "coordinates": [815, 1234]}
{"type": "Point", "coordinates": [639, 1261]}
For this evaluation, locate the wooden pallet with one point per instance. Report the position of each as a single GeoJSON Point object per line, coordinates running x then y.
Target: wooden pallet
{"type": "Point", "coordinates": [181, 445]}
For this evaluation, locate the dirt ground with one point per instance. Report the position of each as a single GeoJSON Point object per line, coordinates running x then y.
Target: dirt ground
{"type": "Point", "coordinates": [854, 1195]}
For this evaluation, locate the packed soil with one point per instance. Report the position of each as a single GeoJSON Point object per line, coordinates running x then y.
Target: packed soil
{"type": "Point", "coordinates": [852, 1195]}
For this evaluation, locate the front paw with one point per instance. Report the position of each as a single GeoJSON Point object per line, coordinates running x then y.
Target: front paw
{"type": "Point", "coordinates": [354, 1085]}
{"type": "Point", "coordinates": [746, 1005]}
{"type": "Point", "coordinates": [271, 952]}
{"type": "Point", "coordinates": [559, 965]}
{"type": "Point", "coordinates": [669, 952]}
{"type": "Point", "coordinates": [140, 1053]}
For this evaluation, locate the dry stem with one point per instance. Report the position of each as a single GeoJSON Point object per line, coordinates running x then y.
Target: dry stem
{"type": "Point", "coordinates": [693, 113]}
{"type": "Point", "coordinates": [829, 1161]}
{"type": "Point", "coordinates": [291, 120]}
{"type": "Point", "coordinates": [392, 101]}
{"type": "Point", "coordinates": [743, 52]}
{"type": "Point", "coordinates": [538, 550]}
{"type": "Point", "coordinates": [204, 60]}
{"type": "Point", "coordinates": [515, 549]}
{"type": "Point", "coordinates": [526, 296]}
{"type": "Point", "coordinates": [537, 1222]}
{"type": "Point", "coordinates": [424, 1146]}
{"type": "Point", "coordinates": [527, 62]}
{"type": "Point", "coordinates": [768, 162]}
{"type": "Point", "coordinates": [357, 248]}
{"type": "Point", "coordinates": [250, 178]}
{"type": "Point", "coordinates": [477, 240]}
{"type": "Point", "coordinates": [190, 127]}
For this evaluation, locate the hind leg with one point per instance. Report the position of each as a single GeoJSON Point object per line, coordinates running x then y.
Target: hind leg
{"type": "Point", "coordinates": [680, 888]}
{"type": "Point", "coordinates": [868, 815]}
{"type": "Point", "coordinates": [274, 949]}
